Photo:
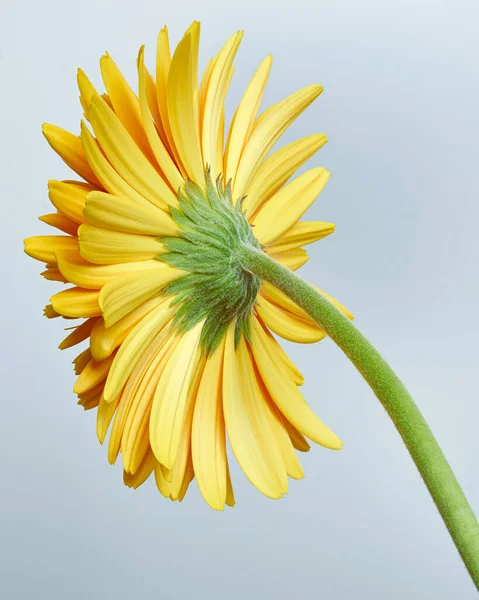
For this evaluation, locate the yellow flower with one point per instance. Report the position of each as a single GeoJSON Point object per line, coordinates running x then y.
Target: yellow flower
{"type": "Point", "coordinates": [181, 353]}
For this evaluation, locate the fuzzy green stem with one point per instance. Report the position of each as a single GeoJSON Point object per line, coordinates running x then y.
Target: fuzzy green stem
{"type": "Point", "coordinates": [390, 391]}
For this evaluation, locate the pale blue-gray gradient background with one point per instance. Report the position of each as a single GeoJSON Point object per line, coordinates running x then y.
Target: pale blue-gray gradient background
{"type": "Point", "coordinates": [400, 109]}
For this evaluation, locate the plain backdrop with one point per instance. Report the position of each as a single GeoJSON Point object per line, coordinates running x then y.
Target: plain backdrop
{"type": "Point", "coordinates": [400, 109]}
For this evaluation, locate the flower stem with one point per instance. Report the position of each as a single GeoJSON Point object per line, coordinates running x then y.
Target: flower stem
{"type": "Point", "coordinates": [390, 391]}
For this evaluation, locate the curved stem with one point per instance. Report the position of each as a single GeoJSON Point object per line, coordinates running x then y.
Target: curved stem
{"type": "Point", "coordinates": [411, 425]}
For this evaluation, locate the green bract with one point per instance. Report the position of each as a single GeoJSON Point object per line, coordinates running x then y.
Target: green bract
{"type": "Point", "coordinates": [218, 288]}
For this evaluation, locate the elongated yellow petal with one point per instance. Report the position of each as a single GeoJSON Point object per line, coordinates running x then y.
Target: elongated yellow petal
{"type": "Point", "coordinates": [104, 416]}
{"type": "Point", "coordinates": [276, 420]}
{"type": "Point", "coordinates": [131, 350]}
{"type": "Point", "coordinates": [109, 177]}
{"type": "Point", "coordinates": [243, 120]}
{"type": "Point", "coordinates": [103, 341]}
{"type": "Point", "coordinates": [170, 402]}
{"type": "Point", "coordinates": [205, 80]}
{"type": "Point", "coordinates": [286, 395]}
{"type": "Point", "coordinates": [87, 90]}
{"type": "Point", "coordinates": [249, 430]}
{"type": "Point", "coordinates": [68, 147]}
{"type": "Point", "coordinates": [293, 259]}
{"type": "Point", "coordinates": [127, 158]}
{"type": "Point", "coordinates": [79, 333]}
{"type": "Point", "coordinates": [124, 102]}
{"type": "Point", "coordinates": [91, 276]}
{"type": "Point", "coordinates": [275, 170]}
{"type": "Point", "coordinates": [163, 63]}
{"type": "Point", "coordinates": [163, 158]}
{"type": "Point", "coordinates": [92, 375]}
{"type": "Point", "coordinates": [77, 302]}
{"type": "Point", "coordinates": [146, 469]}
{"type": "Point", "coordinates": [128, 215]}
{"type": "Point", "coordinates": [286, 324]}
{"type": "Point", "coordinates": [267, 132]}
{"type": "Point", "coordinates": [151, 99]}
{"type": "Point", "coordinates": [123, 294]}
{"type": "Point", "coordinates": [301, 234]}
{"type": "Point", "coordinates": [182, 103]}
{"type": "Point", "coordinates": [135, 439]}
{"type": "Point", "coordinates": [159, 343]}
{"type": "Point", "coordinates": [208, 440]}
{"type": "Point", "coordinates": [107, 247]}
{"type": "Point", "coordinates": [60, 222]}
{"type": "Point", "coordinates": [288, 205]}
{"type": "Point", "coordinates": [44, 247]}
{"type": "Point", "coordinates": [69, 198]}
{"type": "Point", "coordinates": [53, 274]}
{"type": "Point", "coordinates": [214, 100]}
{"type": "Point", "coordinates": [81, 361]}
{"type": "Point", "coordinates": [183, 461]}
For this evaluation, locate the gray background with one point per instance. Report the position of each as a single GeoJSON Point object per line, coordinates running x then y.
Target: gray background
{"type": "Point", "coordinates": [400, 110]}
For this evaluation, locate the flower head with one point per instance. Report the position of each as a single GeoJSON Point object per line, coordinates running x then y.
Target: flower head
{"type": "Point", "coordinates": [180, 348]}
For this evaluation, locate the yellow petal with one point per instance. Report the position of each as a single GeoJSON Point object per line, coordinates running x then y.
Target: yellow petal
{"type": "Point", "coordinates": [135, 439]}
{"type": "Point", "coordinates": [128, 215]}
{"type": "Point", "coordinates": [69, 198]}
{"type": "Point", "coordinates": [130, 393]}
{"type": "Point", "coordinates": [81, 361]}
{"type": "Point", "coordinates": [286, 395]}
{"type": "Point", "coordinates": [182, 103]}
{"type": "Point", "coordinates": [49, 313]}
{"type": "Point", "coordinates": [60, 222]}
{"type": "Point", "coordinates": [288, 205]}
{"type": "Point", "coordinates": [208, 440]}
{"type": "Point", "coordinates": [123, 294]}
{"type": "Point", "coordinates": [53, 274]}
{"type": "Point", "coordinates": [90, 276]}
{"type": "Point", "coordinates": [288, 325]}
{"type": "Point", "coordinates": [146, 469]}
{"type": "Point", "coordinates": [183, 459]}
{"type": "Point", "coordinates": [79, 333]}
{"type": "Point", "coordinates": [293, 259]}
{"type": "Point", "coordinates": [87, 90]}
{"type": "Point", "coordinates": [243, 120]}
{"type": "Point", "coordinates": [92, 375]}
{"type": "Point", "coordinates": [165, 162]}
{"type": "Point", "coordinates": [132, 349]}
{"type": "Point", "coordinates": [249, 430]}
{"type": "Point", "coordinates": [103, 341]}
{"type": "Point", "coordinates": [103, 417]}
{"type": "Point", "coordinates": [267, 132]}
{"type": "Point", "coordinates": [279, 355]}
{"type": "Point", "coordinates": [77, 302]}
{"type": "Point", "coordinates": [106, 247]}
{"type": "Point", "coordinates": [127, 158]}
{"type": "Point", "coordinates": [44, 247]}
{"type": "Point", "coordinates": [275, 171]}
{"type": "Point", "coordinates": [230, 497]}
{"type": "Point", "coordinates": [276, 420]}
{"type": "Point", "coordinates": [205, 80]}
{"type": "Point", "coordinates": [109, 177]}
{"type": "Point", "coordinates": [124, 102]}
{"type": "Point", "coordinates": [163, 63]}
{"type": "Point", "coordinates": [214, 100]}
{"type": "Point", "coordinates": [170, 402]}
{"type": "Point", "coordinates": [301, 234]}
{"type": "Point", "coordinates": [69, 148]}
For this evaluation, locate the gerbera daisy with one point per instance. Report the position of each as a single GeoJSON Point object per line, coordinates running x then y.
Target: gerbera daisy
{"type": "Point", "coordinates": [181, 353]}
